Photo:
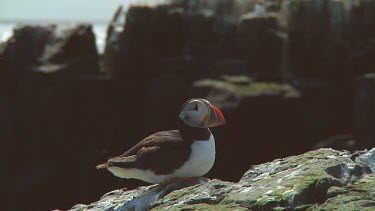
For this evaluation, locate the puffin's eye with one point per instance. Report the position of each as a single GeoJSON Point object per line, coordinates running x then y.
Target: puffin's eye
{"type": "Point", "coordinates": [195, 107]}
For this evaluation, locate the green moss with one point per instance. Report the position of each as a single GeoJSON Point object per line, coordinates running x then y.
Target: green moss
{"type": "Point", "coordinates": [303, 207]}
{"type": "Point", "coordinates": [234, 86]}
{"type": "Point", "coordinates": [307, 182]}
{"type": "Point", "coordinates": [259, 87]}
{"type": "Point", "coordinates": [335, 191]}
{"type": "Point", "coordinates": [279, 209]}
{"type": "Point", "coordinates": [364, 185]}
{"type": "Point", "coordinates": [241, 199]}
{"type": "Point", "coordinates": [288, 198]}
{"type": "Point", "coordinates": [306, 187]}
{"type": "Point", "coordinates": [296, 192]}
{"type": "Point", "coordinates": [180, 193]}
{"type": "Point", "coordinates": [237, 79]}
{"type": "Point", "coordinates": [266, 203]}
{"type": "Point", "coordinates": [357, 196]}
{"type": "Point", "coordinates": [287, 165]}
{"type": "Point", "coordinates": [215, 84]}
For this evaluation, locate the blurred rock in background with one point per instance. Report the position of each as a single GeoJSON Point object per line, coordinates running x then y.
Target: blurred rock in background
{"type": "Point", "coordinates": [286, 73]}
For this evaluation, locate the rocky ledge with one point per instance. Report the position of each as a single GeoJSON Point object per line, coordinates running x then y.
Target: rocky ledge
{"type": "Point", "coordinates": [324, 179]}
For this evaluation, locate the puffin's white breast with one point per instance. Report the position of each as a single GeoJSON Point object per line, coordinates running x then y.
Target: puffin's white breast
{"type": "Point", "coordinates": [201, 159]}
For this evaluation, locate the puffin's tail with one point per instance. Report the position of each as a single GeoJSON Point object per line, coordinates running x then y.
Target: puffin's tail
{"type": "Point", "coordinates": [103, 166]}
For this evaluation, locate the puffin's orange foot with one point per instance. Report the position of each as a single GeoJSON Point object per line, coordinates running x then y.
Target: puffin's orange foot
{"type": "Point", "coordinates": [168, 181]}
{"type": "Point", "coordinates": [189, 179]}
{"type": "Point", "coordinates": [174, 179]}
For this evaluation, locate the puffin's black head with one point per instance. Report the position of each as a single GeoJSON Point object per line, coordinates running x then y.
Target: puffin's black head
{"type": "Point", "coordinates": [200, 113]}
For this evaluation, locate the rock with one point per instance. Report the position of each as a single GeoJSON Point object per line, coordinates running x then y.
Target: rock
{"type": "Point", "coordinates": [52, 49]}
{"type": "Point", "coordinates": [330, 39]}
{"type": "Point", "coordinates": [357, 196]}
{"type": "Point", "coordinates": [140, 48]}
{"type": "Point", "coordinates": [361, 33]}
{"type": "Point", "coordinates": [317, 48]}
{"type": "Point", "coordinates": [368, 159]}
{"type": "Point", "coordinates": [321, 179]}
{"type": "Point", "coordinates": [231, 90]}
{"type": "Point", "coordinates": [70, 49]}
{"type": "Point", "coordinates": [338, 142]}
{"type": "Point", "coordinates": [25, 48]}
{"type": "Point", "coordinates": [230, 9]}
{"type": "Point", "coordinates": [52, 102]}
{"type": "Point", "coordinates": [326, 103]}
{"type": "Point", "coordinates": [138, 199]}
{"type": "Point", "coordinates": [363, 110]}
{"type": "Point", "coordinates": [228, 67]}
{"type": "Point", "coordinates": [362, 60]}
{"type": "Point", "coordinates": [260, 43]}
{"type": "Point", "coordinates": [168, 93]}
{"type": "Point", "coordinates": [112, 51]}
{"type": "Point", "coordinates": [241, 86]}
{"type": "Point", "coordinates": [362, 27]}
{"type": "Point", "coordinates": [203, 37]}
{"type": "Point", "coordinates": [146, 38]}
{"type": "Point", "coordinates": [258, 111]}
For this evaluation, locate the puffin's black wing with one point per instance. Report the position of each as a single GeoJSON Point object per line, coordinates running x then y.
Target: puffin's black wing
{"type": "Point", "coordinates": [162, 153]}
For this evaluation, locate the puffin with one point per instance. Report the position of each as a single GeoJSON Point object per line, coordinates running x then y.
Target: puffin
{"type": "Point", "coordinates": [187, 153]}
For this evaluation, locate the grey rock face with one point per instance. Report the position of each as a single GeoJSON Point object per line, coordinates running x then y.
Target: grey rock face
{"type": "Point", "coordinates": [321, 179]}
{"type": "Point", "coordinates": [259, 40]}
{"type": "Point", "coordinates": [329, 39]}
{"type": "Point", "coordinates": [146, 38]}
{"type": "Point", "coordinates": [51, 49]}
{"type": "Point", "coordinates": [71, 48]}
{"type": "Point", "coordinates": [357, 196]}
{"type": "Point", "coordinates": [26, 46]}
{"type": "Point", "coordinates": [48, 74]}
{"type": "Point", "coordinates": [363, 110]}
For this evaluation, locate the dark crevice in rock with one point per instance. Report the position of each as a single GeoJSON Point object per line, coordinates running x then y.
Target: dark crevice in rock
{"type": "Point", "coordinates": [355, 155]}
{"type": "Point", "coordinates": [371, 204]}
{"type": "Point", "coordinates": [202, 201]}
{"type": "Point", "coordinates": [335, 171]}
{"type": "Point", "coordinates": [344, 172]}
{"type": "Point", "coordinates": [320, 191]}
{"type": "Point", "coordinates": [357, 173]}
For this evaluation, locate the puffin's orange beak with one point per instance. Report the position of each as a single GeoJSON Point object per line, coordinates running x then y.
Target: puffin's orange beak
{"type": "Point", "coordinates": [215, 118]}
{"type": "Point", "coordinates": [220, 117]}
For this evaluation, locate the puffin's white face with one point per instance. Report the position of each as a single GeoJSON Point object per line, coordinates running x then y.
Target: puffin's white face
{"type": "Point", "coordinates": [200, 113]}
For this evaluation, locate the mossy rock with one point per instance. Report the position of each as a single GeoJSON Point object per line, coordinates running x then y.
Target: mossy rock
{"type": "Point", "coordinates": [357, 196]}
{"type": "Point", "coordinates": [303, 182]}
{"type": "Point", "coordinates": [243, 86]}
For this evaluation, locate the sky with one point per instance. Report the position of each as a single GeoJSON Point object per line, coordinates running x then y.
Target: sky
{"type": "Point", "coordinates": [64, 10]}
